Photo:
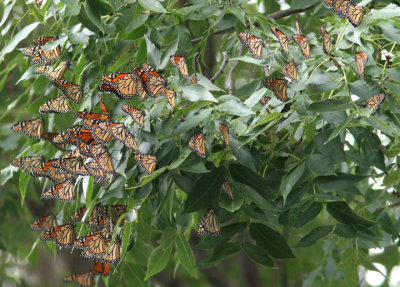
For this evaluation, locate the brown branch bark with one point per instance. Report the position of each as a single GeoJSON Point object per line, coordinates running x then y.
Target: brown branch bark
{"type": "Point", "coordinates": [221, 68]}
{"type": "Point", "coordinates": [287, 12]}
{"type": "Point", "coordinates": [230, 81]}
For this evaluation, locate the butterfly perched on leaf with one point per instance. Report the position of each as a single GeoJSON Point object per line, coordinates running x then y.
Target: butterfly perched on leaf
{"type": "Point", "coordinates": [80, 279]}
{"type": "Point", "coordinates": [123, 84]}
{"type": "Point", "coordinates": [59, 71]}
{"type": "Point", "coordinates": [198, 144]}
{"type": "Point", "coordinates": [302, 41]}
{"type": "Point", "coordinates": [226, 186]}
{"type": "Point", "coordinates": [32, 128]}
{"type": "Point", "coordinates": [71, 91]}
{"type": "Point", "coordinates": [374, 102]}
{"type": "Point", "coordinates": [224, 129]}
{"type": "Point", "coordinates": [130, 142]}
{"type": "Point", "coordinates": [354, 14]}
{"type": "Point", "coordinates": [49, 137]}
{"type": "Point", "coordinates": [156, 83]}
{"type": "Point", "coordinates": [64, 191]}
{"type": "Point", "coordinates": [28, 164]}
{"type": "Point", "coordinates": [209, 224]}
{"type": "Point", "coordinates": [141, 81]}
{"type": "Point", "coordinates": [253, 43]}
{"type": "Point", "coordinates": [146, 162]}
{"type": "Point", "coordinates": [180, 63]}
{"type": "Point", "coordinates": [326, 40]}
{"type": "Point", "coordinates": [108, 89]}
{"type": "Point", "coordinates": [46, 57]}
{"type": "Point", "coordinates": [113, 252]}
{"type": "Point", "coordinates": [43, 223]}
{"type": "Point", "coordinates": [94, 243]}
{"type": "Point", "coordinates": [264, 101]}
{"type": "Point", "coordinates": [282, 38]}
{"type": "Point", "coordinates": [59, 105]}
{"type": "Point", "coordinates": [340, 7]}
{"type": "Point", "coordinates": [136, 114]}
{"type": "Point", "coordinates": [100, 268]}
{"type": "Point", "coordinates": [117, 130]}
{"type": "Point", "coordinates": [289, 70]}
{"type": "Point", "coordinates": [62, 235]}
{"type": "Point", "coordinates": [170, 95]}
{"type": "Point", "coordinates": [361, 59]}
{"type": "Point", "coordinates": [278, 86]}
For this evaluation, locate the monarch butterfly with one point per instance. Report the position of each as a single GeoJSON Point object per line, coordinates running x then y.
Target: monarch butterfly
{"type": "Point", "coordinates": [326, 40]}
{"type": "Point", "coordinates": [146, 161]}
{"type": "Point", "coordinates": [40, 41]}
{"type": "Point", "coordinates": [98, 209]}
{"type": "Point", "coordinates": [105, 232]}
{"type": "Point", "coordinates": [329, 3]}
{"type": "Point", "coordinates": [62, 235]}
{"type": "Point", "coordinates": [64, 191]}
{"type": "Point", "coordinates": [80, 134]}
{"type": "Point", "coordinates": [130, 142]}
{"type": "Point", "coordinates": [100, 268]}
{"type": "Point", "coordinates": [170, 95]}
{"type": "Point", "coordinates": [230, 2]}
{"type": "Point", "coordinates": [108, 89]}
{"type": "Point", "coordinates": [289, 70]}
{"type": "Point", "coordinates": [100, 135]}
{"type": "Point", "coordinates": [374, 102]}
{"type": "Point", "coordinates": [38, 3]}
{"type": "Point", "coordinates": [302, 41]}
{"type": "Point", "coordinates": [117, 130]}
{"type": "Point", "coordinates": [59, 71]}
{"type": "Point", "coordinates": [94, 243]}
{"type": "Point", "coordinates": [57, 174]}
{"type": "Point", "coordinates": [60, 137]}
{"type": "Point", "coordinates": [226, 186]}
{"type": "Point", "coordinates": [105, 162]}
{"type": "Point", "coordinates": [209, 224]}
{"type": "Point", "coordinates": [116, 211]}
{"type": "Point", "coordinates": [41, 170]}
{"type": "Point", "coordinates": [42, 69]}
{"type": "Point", "coordinates": [73, 165]}
{"type": "Point", "coordinates": [197, 144]}
{"type": "Point", "coordinates": [45, 57]}
{"type": "Point", "coordinates": [193, 79]}
{"type": "Point", "coordinates": [253, 43]}
{"type": "Point", "coordinates": [180, 63]}
{"type": "Point", "coordinates": [361, 59]}
{"type": "Point", "coordinates": [224, 129]}
{"type": "Point", "coordinates": [340, 7]}
{"type": "Point", "coordinates": [49, 137]}
{"type": "Point", "coordinates": [44, 223]}
{"type": "Point", "coordinates": [94, 170]}
{"type": "Point", "coordinates": [78, 215]}
{"type": "Point", "coordinates": [123, 83]}
{"type": "Point", "coordinates": [59, 105]}
{"type": "Point", "coordinates": [141, 81]}
{"type": "Point", "coordinates": [354, 14]}
{"type": "Point", "coordinates": [264, 101]}
{"type": "Point", "coordinates": [113, 254]}
{"type": "Point", "coordinates": [81, 279]}
{"type": "Point", "coordinates": [28, 164]}
{"type": "Point", "coordinates": [99, 222]}
{"type": "Point", "coordinates": [298, 27]}
{"type": "Point", "coordinates": [156, 83]}
{"type": "Point", "coordinates": [70, 90]}
{"type": "Point", "coordinates": [282, 38]}
{"type": "Point", "coordinates": [278, 86]}
{"type": "Point", "coordinates": [31, 51]}
{"type": "Point", "coordinates": [136, 114]}
{"type": "Point", "coordinates": [32, 128]}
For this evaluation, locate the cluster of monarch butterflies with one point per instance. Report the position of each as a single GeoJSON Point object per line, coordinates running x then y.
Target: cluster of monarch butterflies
{"type": "Point", "coordinates": [346, 8]}
{"type": "Point", "coordinates": [97, 244]}
{"type": "Point", "coordinates": [279, 85]}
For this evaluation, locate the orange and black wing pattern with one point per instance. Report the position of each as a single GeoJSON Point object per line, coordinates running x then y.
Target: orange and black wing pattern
{"type": "Point", "coordinates": [141, 81]}
{"type": "Point", "coordinates": [80, 279]}
{"type": "Point", "coordinates": [123, 84]}
{"type": "Point", "coordinates": [253, 43]}
{"type": "Point", "coordinates": [71, 91]}
{"type": "Point", "coordinates": [278, 86]}
{"type": "Point", "coordinates": [289, 70]}
{"type": "Point", "coordinates": [209, 224]}
{"type": "Point", "coordinates": [302, 41]}
{"type": "Point", "coordinates": [198, 144]}
{"type": "Point", "coordinates": [44, 223]}
{"type": "Point", "coordinates": [59, 71]}
{"type": "Point", "coordinates": [226, 186]}
{"type": "Point", "coordinates": [136, 114]}
{"type": "Point", "coordinates": [32, 128]}
{"type": "Point", "coordinates": [130, 142]}
{"type": "Point", "coordinates": [180, 63]}
{"type": "Point", "coordinates": [224, 129]}
{"type": "Point", "coordinates": [361, 59]}
{"type": "Point", "coordinates": [282, 38]}
{"type": "Point", "coordinates": [50, 136]}
{"type": "Point", "coordinates": [59, 105]}
{"type": "Point", "coordinates": [146, 161]}
{"type": "Point", "coordinates": [374, 102]}
{"type": "Point", "coordinates": [100, 268]}
{"type": "Point", "coordinates": [156, 83]}
{"type": "Point", "coordinates": [64, 191]}
{"type": "Point", "coordinates": [326, 40]}
{"type": "Point", "coordinates": [62, 235]}
{"type": "Point", "coordinates": [329, 3]}
{"type": "Point", "coordinates": [355, 14]}
{"type": "Point", "coordinates": [113, 252]}
{"type": "Point", "coordinates": [340, 7]}
{"type": "Point", "coordinates": [170, 95]}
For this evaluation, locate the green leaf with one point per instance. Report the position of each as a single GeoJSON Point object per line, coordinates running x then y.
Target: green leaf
{"type": "Point", "coordinates": [7, 173]}
{"type": "Point", "coordinates": [341, 181]}
{"type": "Point", "coordinates": [270, 240]}
{"type": "Point", "coordinates": [135, 275]}
{"type": "Point", "coordinates": [314, 235]}
{"type": "Point", "coordinates": [340, 128]}
{"type": "Point", "coordinates": [196, 93]}
{"type": "Point", "coordinates": [344, 214]}
{"type": "Point", "coordinates": [20, 36]}
{"type": "Point", "coordinates": [141, 252]}
{"type": "Point", "coordinates": [93, 15]}
{"type": "Point", "coordinates": [185, 255]}
{"type": "Point", "coordinates": [22, 184]}
{"type": "Point", "coordinates": [320, 165]}
{"type": "Point", "coordinates": [330, 106]}
{"type": "Point", "coordinates": [257, 254]}
{"type": "Point", "coordinates": [234, 107]}
{"type": "Point", "coordinates": [152, 5]}
{"type": "Point", "coordinates": [387, 225]}
{"type": "Point", "coordinates": [290, 179]}
{"type": "Point", "coordinates": [205, 191]}
{"type": "Point", "coordinates": [242, 154]}
{"type": "Point", "coordinates": [158, 260]}
{"type": "Point", "coordinates": [167, 237]}
{"type": "Point", "coordinates": [231, 204]}
{"type": "Point", "coordinates": [390, 11]}
{"type": "Point", "coordinates": [309, 214]}
{"type": "Point", "coordinates": [349, 263]}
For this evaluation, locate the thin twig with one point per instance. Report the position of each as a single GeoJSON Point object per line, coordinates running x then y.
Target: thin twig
{"type": "Point", "coordinates": [287, 12]}
{"type": "Point", "coordinates": [232, 70]}
{"type": "Point", "coordinates": [221, 68]}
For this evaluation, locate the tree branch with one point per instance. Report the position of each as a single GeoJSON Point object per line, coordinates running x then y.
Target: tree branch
{"type": "Point", "coordinates": [221, 68]}
{"type": "Point", "coordinates": [287, 12]}
{"type": "Point", "coordinates": [232, 70]}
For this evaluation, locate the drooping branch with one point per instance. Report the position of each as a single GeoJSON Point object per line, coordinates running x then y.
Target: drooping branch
{"type": "Point", "coordinates": [221, 68]}
{"type": "Point", "coordinates": [287, 12]}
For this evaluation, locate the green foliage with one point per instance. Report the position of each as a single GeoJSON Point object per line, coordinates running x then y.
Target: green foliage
{"type": "Point", "coordinates": [302, 176]}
